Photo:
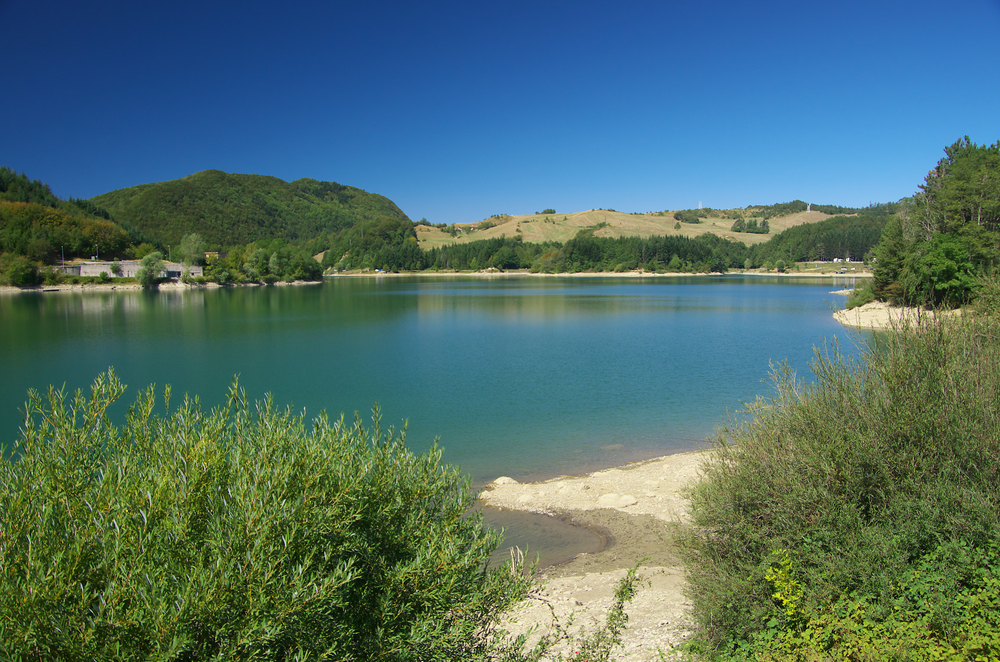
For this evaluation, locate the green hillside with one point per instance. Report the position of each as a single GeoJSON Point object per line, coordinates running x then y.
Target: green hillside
{"type": "Point", "coordinates": [228, 209]}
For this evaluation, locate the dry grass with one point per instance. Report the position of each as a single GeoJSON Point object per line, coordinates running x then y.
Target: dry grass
{"type": "Point", "coordinates": [537, 228]}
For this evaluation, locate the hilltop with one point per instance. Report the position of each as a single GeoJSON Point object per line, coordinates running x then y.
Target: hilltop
{"type": "Point", "coordinates": [228, 208]}
{"type": "Point", "coordinates": [260, 228]}
{"type": "Point", "coordinates": [539, 228]}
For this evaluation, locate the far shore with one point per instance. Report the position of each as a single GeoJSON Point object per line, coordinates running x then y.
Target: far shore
{"type": "Point", "coordinates": [134, 286]}
{"type": "Point", "coordinates": [602, 274]}
{"type": "Point", "coordinates": [639, 507]}
{"type": "Point", "coordinates": [177, 285]}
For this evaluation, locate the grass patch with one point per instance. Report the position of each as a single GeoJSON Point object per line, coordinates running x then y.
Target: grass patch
{"type": "Point", "coordinates": [540, 228]}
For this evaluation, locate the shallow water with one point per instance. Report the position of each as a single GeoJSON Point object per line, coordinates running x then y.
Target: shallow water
{"type": "Point", "coordinates": [547, 540]}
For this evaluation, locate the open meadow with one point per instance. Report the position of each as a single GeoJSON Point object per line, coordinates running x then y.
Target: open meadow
{"type": "Point", "coordinates": [559, 227]}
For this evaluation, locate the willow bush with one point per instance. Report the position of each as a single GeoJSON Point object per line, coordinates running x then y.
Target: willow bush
{"type": "Point", "coordinates": [237, 533]}
{"type": "Point", "coordinates": [835, 507]}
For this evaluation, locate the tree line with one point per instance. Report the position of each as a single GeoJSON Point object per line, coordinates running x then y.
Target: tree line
{"type": "Point", "coordinates": [355, 230]}
{"type": "Point", "coordinates": [838, 237]}
{"type": "Point", "coordinates": [945, 235]}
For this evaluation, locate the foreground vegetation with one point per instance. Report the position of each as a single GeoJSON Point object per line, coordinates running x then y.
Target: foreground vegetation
{"type": "Point", "coordinates": [236, 534]}
{"type": "Point", "coordinates": [856, 517]}
{"type": "Point", "coordinates": [245, 534]}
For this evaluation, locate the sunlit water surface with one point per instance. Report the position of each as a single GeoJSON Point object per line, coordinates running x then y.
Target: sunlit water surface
{"type": "Point", "coordinates": [518, 376]}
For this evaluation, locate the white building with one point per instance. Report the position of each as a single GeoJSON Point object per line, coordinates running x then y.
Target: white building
{"type": "Point", "coordinates": [129, 269]}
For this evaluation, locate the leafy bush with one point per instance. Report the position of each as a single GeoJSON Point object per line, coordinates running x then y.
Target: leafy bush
{"type": "Point", "coordinates": [18, 271]}
{"type": "Point", "coordinates": [238, 533]}
{"type": "Point", "coordinates": [860, 295]}
{"type": "Point", "coordinates": [150, 268]}
{"type": "Point", "coordinates": [947, 608]}
{"type": "Point", "coordinates": [52, 276]}
{"type": "Point", "coordinates": [988, 295]}
{"type": "Point", "coordinates": [861, 477]}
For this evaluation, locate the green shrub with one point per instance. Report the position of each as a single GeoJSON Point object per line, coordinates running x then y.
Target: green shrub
{"type": "Point", "coordinates": [947, 608]}
{"type": "Point", "coordinates": [858, 476]}
{"type": "Point", "coordinates": [18, 271]}
{"type": "Point", "coordinates": [987, 301]}
{"type": "Point", "coordinates": [53, 276]}
{"type": "Point", "coordinates": [860, 295]}
{"type": "Point", "coordinates": [150, 268]}
{"type": "Point", "coordinates": [238, 533]}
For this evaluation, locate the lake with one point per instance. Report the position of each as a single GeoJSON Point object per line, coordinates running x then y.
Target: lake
{"type": "Point", "coordinates": [523, 376]}
{"type": "Point", "coordinates": [529, 377]}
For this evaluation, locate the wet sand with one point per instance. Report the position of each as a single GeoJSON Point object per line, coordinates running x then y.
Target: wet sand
{"type": "Point", "coordinates": [638, 509]}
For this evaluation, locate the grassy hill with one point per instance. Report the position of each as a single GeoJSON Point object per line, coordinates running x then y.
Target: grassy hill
{"type": "Point", "coordinates": [228, 209]}
{"type": "Point", "coordinates": [539, 228]}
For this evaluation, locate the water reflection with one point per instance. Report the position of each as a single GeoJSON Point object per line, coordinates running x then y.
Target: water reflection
{"type": "Point", "coordinates": [518, 376]}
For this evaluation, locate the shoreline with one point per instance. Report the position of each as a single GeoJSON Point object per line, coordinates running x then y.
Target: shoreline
{"type": "Point", "coordinates": [639, 508]}
{"type": "Point", "coordinates": [136, 287]}
{"type": "Point", "coordinates": [177, 285]}
{"type": "Point", "coordinates": [521, 273]}
{"type": "Point", "coordinates": [878, 315]}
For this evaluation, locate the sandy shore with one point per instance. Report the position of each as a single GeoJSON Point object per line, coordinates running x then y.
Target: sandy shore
{"type": "Point", "coordinates": [639, 507]}
{"type": "Point", "coordinates": [880, 315]}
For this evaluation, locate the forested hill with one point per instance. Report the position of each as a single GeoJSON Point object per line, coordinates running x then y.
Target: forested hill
{"type": "Point", "coordinates": [228, 209]}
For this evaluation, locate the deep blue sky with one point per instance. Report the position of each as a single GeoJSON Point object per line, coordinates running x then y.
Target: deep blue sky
{"type": "Point", "coordinates": [459, 110]}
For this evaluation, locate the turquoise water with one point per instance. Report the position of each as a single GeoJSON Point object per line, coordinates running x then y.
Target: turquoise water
{"type": "Point", "coordinates": [518, 376]}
